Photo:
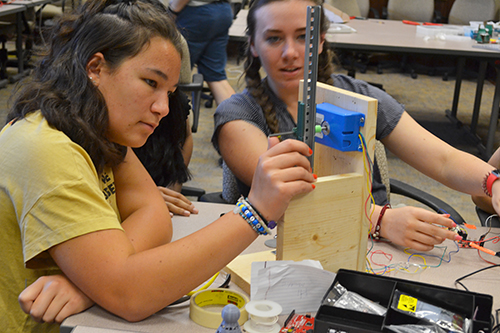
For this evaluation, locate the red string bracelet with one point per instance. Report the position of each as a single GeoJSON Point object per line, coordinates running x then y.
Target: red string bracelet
{"type": "Point", "coordinates": [376, 232]}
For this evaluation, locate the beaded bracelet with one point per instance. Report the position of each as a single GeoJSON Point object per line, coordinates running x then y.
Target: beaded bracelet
{"type": "Point", "coordinates": [376, 231]}
{"type": "Point", "coordinates": [257, 217]}
{"type": "Point", "coordinates": [242, 208]}
{"type": "Point", "coordinates": [270, 224]}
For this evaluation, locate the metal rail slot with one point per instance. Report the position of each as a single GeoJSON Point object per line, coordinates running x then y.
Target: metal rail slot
{"type": "Point", "coordinates": [310, 77]}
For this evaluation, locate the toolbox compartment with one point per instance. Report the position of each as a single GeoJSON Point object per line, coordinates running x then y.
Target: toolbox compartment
{"type": "Point", "coordinates": [381, 289]}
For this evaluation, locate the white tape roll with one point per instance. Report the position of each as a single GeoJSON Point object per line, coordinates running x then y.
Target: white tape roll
{"type": "Point", "coordinates": [263, 317]}
{"type": "Point", "coordinates": [206, 306]}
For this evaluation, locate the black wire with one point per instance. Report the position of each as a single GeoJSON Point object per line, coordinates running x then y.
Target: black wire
{"type": "Point", "coordinates": [224, 284]}
{"type": "Point", "coordinates": [470, 274]}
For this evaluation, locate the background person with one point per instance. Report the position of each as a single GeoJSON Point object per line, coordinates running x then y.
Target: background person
{"type": "Point", "coordinates": [205, 25]}
{"type": "Point", "coordinates": [276, 37]}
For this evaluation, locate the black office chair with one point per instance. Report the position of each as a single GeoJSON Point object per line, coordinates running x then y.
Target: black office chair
{"type": "Point", "coordinates": [436, 204]}
{"type": "Point", "coordinates": [195, 87]}
{"type": "Point", "coordinates": [9, 26]}
{"type": "Point", "coordinates": [189, 191]}
{"type": "Point", "coordinates": [4, 57]}
{"type": "Point", "coordinates": [207, 95]}
{"type": "Point", "coordinates": [191, 84]}
{"type": "Point", "coordinates": [237, 6]}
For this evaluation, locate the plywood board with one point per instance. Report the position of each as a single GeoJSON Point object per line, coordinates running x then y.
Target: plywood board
{"type": "Point", "coordinates": [325, 224]}
{"type": "Point", "coordinates": [329, 161]}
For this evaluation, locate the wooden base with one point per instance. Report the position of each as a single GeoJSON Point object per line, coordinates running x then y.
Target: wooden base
{"type": "Point", "coordinates": [241, 268]}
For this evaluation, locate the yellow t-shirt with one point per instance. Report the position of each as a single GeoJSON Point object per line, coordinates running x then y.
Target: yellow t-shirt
{"type": "Point", "coordinates": [50, 192]}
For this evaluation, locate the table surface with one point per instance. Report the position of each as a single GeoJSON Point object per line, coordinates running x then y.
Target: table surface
{"type": "Point", "coordinates": [7, 9]}
{"type": "Point", "coordinates": [237, 29]}
{"type": "Point", "coordinates": [176, 318]}
{"type": "Point", "coordinates": [31, 3]}
{"type": "Point", "coordinates": [385, 35]}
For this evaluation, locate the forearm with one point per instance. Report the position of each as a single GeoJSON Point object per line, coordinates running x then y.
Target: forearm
{"type": "Point", "coordinates": [146, 229]}
{"type": "Point", "coordinates": [465, 173]}
{"type": "Point", "coordinates": [482, 201]}
{"type": "Point", "coordinates": [374, 216]}
{"type": "Point", "coordinates": [435, 158]}
{"type": "Point", "coordinates": [180, 275]}
{"type": "Point", "coordinates": [136, 285]}
{"type": "Point", "coordinates": [105, 265]}
{"type": "Point", "coordinates": [145, 217]}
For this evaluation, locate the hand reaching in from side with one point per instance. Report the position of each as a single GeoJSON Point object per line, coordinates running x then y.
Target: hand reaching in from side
{"type": "Point", "coordinates": [177, 203]}
{"type": "Point", "coordinates": [417, 228]}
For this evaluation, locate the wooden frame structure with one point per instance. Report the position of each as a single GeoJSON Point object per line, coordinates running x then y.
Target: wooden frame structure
{"type": "Point", "coordinates": [329, 224]}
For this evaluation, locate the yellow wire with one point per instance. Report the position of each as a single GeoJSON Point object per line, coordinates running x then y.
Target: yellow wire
{"type": "Point", "coordinates": [205, 286]}
{"type": "Point", "coordinates": [416, 255]}
{"type": "Point", "coordinates": [372, 208]}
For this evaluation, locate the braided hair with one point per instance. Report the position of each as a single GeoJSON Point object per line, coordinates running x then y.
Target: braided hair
{"type": "Point", "coordinates": [60, 87]}
{"type": "Point", "coordinates": [259, 88]}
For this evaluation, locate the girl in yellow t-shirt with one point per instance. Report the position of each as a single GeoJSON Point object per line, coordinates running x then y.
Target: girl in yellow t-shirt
{"type": "Point", "coordinates": [74, 196]}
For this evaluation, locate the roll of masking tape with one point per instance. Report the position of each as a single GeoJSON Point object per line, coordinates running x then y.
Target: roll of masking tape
{"type": "Point", "coordinates": [206, 306]}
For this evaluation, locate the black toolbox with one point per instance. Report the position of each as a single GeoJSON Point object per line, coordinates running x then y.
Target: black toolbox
{"type": "Point", "coordinates": [381, 290]}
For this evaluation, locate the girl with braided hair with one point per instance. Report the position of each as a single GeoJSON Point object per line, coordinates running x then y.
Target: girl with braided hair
{"type": "Point", "coordinates": [82, 220]}
{"type": "Point", "coordinates": [276, 32]}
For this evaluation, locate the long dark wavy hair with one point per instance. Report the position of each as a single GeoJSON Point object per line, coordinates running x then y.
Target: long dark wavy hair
{"type": "Point", "coordinates": [162, 155]}
{"type": "Point", "coordinates": [259, 88]}
{"type": "Point", "coordinates": [60, 86]}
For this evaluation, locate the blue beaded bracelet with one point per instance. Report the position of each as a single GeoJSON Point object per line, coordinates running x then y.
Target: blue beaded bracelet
{"type": "Point", "coordinates": [271, 224]}
{"type": "Point", "coordinates": [253, 220]}
{"type": "Point", "coordinates": [256, 214]}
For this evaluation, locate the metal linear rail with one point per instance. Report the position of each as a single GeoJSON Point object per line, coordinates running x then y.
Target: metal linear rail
{"type": "Point", "coordinates": [306, 121]}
